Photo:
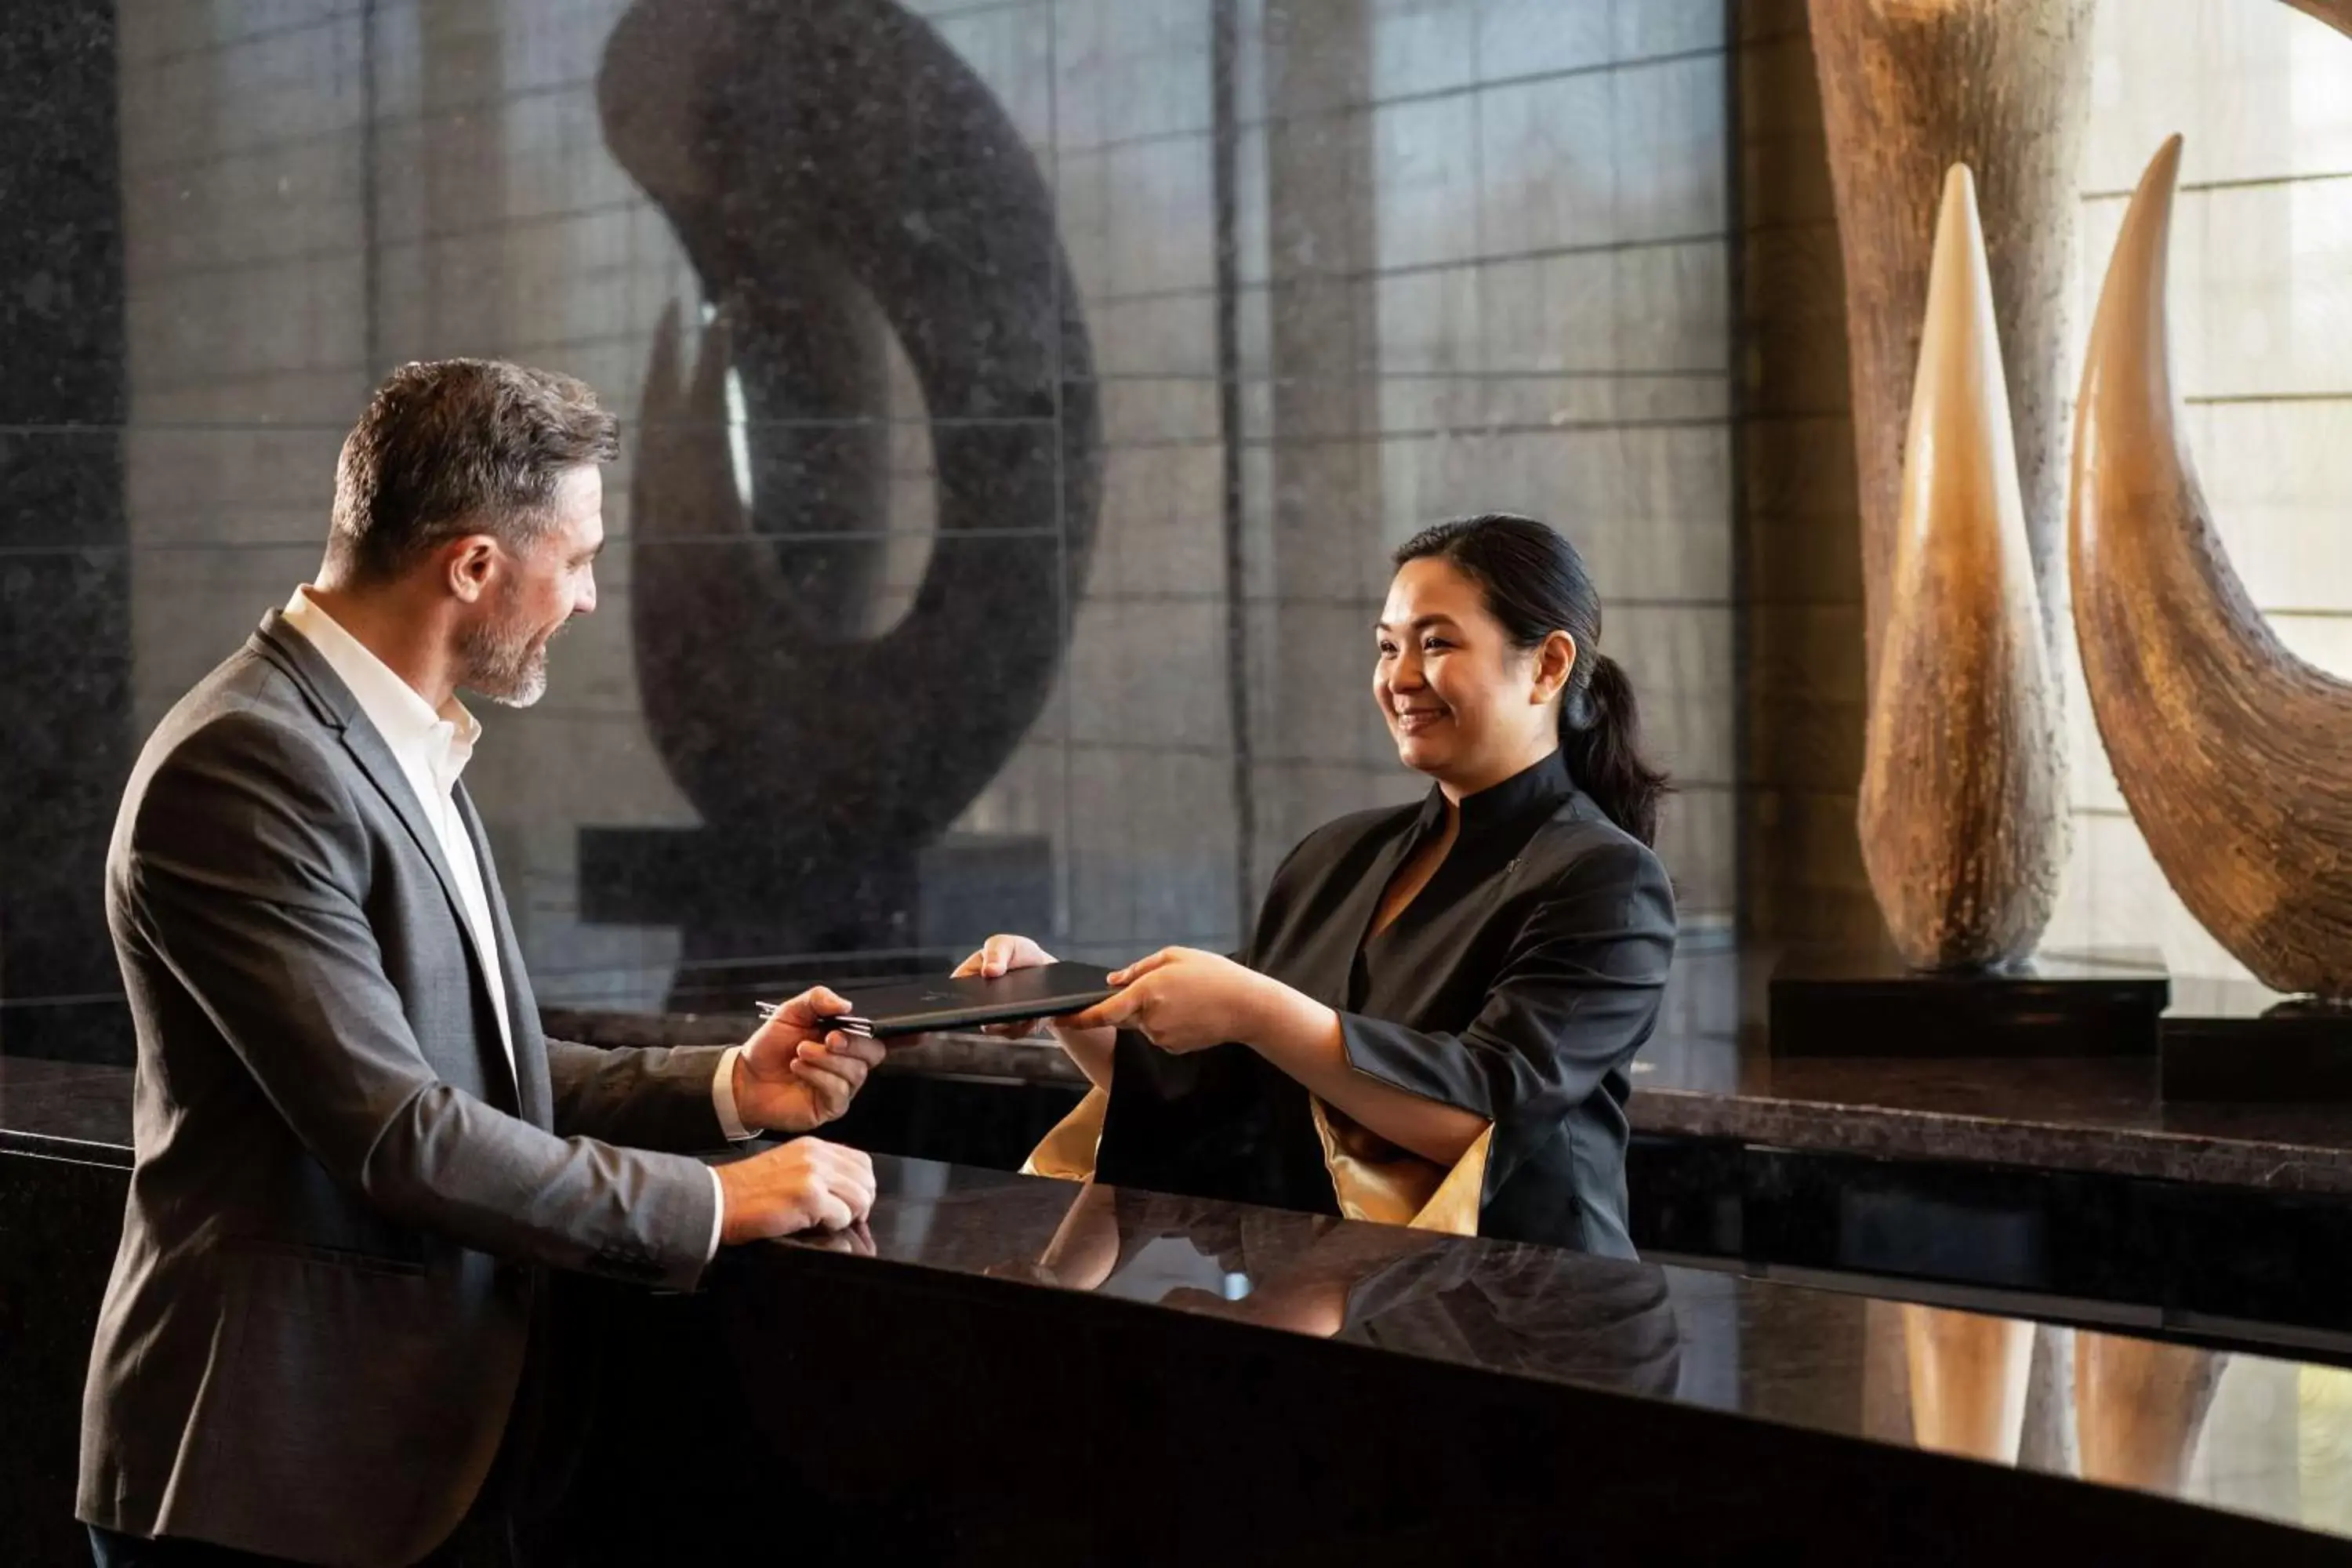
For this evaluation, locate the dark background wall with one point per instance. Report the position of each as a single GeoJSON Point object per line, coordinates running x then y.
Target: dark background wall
{"type": "Point", "coordinates": [1081, 382]}
{"type": "Point", "coordinates": [65, 611]}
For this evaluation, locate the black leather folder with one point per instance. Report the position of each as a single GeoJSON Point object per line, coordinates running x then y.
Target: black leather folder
{"type": "Point", "coordinates": [923, 1007]}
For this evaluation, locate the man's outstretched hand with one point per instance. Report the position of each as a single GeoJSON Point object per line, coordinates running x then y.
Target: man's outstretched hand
{"type": "Point", "coordinates": [794, 1076]}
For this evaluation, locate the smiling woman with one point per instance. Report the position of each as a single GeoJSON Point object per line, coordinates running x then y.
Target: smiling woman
{"type": "Point", "coordinates": [1435, 1019]}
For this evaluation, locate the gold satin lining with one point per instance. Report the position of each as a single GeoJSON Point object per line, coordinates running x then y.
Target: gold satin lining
{"type": "Point", "coordinates": [1373, 1179]}
{"type": "Point", "coordinates": [1376, 1180]}
{"type": "Point", "coordinates": [1067, 1152]}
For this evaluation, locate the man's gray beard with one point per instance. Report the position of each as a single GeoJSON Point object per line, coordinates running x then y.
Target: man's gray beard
{"type": "Point", "coordinates": [510, 671]}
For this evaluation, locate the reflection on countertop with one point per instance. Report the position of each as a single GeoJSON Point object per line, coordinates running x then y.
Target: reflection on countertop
{"type": "Point", "coordinates": [2254, 1436]}
{"type": "Point", "coordinates": [1827, 1361]}
{"type": "Point", "coordinates": [1528, 1310]}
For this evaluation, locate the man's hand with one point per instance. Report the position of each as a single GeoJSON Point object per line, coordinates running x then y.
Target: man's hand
{"type": "Point", "coordinates": [792, 1075]}
{"type": "Point", "coordinates": [804, 1185]}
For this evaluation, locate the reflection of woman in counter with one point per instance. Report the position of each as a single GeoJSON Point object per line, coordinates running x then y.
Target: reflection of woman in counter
{"type": "Point", "coordinates": [1436, 1018]}
{"type": "Point", "coordinates": [1530, 1311]}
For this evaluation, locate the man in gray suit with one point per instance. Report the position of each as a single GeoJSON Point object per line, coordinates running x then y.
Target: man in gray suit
{"type": "Point", "coordinates": [356, 1150]}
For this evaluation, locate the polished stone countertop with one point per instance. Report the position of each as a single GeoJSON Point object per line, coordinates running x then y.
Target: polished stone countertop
{"type": "Point", "coordinates": [65, 1111]}
{"type": "Point", "coordinates": [1820, 1360]}
{"type": "Point", "coordinates": [1710, 1073]}
{"type": "Point", "coordinates": [1827, 1361]}
{"type": "Point", "coordinates": [1707, 1074]}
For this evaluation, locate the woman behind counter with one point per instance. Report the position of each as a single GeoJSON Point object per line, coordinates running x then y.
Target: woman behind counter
{"type": "Point", "coordinates": [1435, 1019]}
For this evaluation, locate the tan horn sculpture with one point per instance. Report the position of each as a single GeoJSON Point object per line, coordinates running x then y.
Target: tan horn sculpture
{"type": "Point", "coordinates": [1963, 809]}
{"type": "Point", "coordinates": [1968, 1376]}
{"type": "Point", "coordinates": [1910, 88]}
{"type": "Point", "coordinates": [2234, 756]}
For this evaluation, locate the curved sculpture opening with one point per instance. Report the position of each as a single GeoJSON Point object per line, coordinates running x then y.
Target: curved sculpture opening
{"type": "Point", "coordinates": [826, 732]}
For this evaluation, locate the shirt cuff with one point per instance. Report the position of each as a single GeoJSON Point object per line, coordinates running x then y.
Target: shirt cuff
{"type": "Point", "coordinates": [717, 1214]}
{"type": "Point", "coordinates": [722, 1097]}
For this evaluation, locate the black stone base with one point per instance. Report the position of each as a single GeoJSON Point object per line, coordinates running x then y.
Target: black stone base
{"type": "Point", "coordinates": [2295, 1051]}
{"type": "Point", "coordinates": [1847, 1003]}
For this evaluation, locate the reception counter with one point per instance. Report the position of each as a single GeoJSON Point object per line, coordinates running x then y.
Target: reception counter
{"type": "Point", "coordinates": [2069, 1184]}
{"type": "Point", "coordinates": [1709, 1073]}
{"type": "Point", "coordinates": [1003, 1368]}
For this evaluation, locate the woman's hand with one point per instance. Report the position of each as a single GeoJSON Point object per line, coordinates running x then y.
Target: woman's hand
{"type": "Point", "coordinates": [1001, 955]}
{"type": "Point", "coordinates": [1090, 1049]}
{"type": "Point", "coordinates": [1186, 1000]}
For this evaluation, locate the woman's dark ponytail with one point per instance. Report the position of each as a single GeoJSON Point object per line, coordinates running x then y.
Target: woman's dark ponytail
{"type": "Point", "coordinates": [1535, 584]}
{"type": "Point", "coordinates": [1604, 751]}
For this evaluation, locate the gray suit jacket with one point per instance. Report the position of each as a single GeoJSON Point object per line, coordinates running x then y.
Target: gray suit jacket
{"type": "Point", "coordinates": [344, 1194]}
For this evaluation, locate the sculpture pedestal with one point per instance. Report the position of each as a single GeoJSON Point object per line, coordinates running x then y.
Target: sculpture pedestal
{"type": "Point", "coordinates": [1850, 1004]}
{"type": "Point", "coordinates": [2234, 1040]}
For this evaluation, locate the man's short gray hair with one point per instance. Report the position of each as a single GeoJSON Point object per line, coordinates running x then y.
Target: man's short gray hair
{"type": "Point", "coordinates": [453, 447]}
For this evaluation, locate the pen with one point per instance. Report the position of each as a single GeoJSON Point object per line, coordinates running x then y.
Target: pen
{"type": "Point", "coordinates": [844, 1021]}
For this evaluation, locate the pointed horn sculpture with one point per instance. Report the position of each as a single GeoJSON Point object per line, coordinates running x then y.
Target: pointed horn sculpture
{"type": "Point", "coordinates": [1910, 88]}
{"type": "Point", "coordinates": [2234, 756]}
{"type": "Point", "coordinates": [1963, 809]}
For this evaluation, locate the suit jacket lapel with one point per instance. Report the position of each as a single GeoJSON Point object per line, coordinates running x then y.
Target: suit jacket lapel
{"type": "Point", "coordinates": [523, 1007]}
{"type": "Point", "coordinates": [292, 652]}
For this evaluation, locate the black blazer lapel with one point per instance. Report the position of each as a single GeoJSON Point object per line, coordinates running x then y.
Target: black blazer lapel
{"type": "Point", "coordinates": [1323, 966]}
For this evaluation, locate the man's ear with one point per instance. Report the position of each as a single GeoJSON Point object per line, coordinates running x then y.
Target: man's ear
{"type": "Point", "coordinates": [468, 565]}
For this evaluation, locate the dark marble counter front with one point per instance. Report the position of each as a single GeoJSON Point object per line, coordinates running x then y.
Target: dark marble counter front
{"type": "Point", "coordinates": [1085, 1375]}
{"type": "Point", "coordinates": [1103, 1375]}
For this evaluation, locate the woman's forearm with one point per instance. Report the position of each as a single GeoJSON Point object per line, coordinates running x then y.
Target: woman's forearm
{"type": "Point", "coordinates": [1092, 1049]}
{"type": "Point", "coordinates": [1301, 1036]}
{"type": "Point", "coordinates": [1084, 1248]}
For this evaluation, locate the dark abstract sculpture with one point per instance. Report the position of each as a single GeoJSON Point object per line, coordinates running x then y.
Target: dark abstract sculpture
{"type": "Point", "coordinates": [2234, 756]}
{"type": "Point", "coordinates": [1963, 806]}
{"type": "Point", "coordinates": [833, 171]}
{"type": "Point", "coordinates": [1907, 90]}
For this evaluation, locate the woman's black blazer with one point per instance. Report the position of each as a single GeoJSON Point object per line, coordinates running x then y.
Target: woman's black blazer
{"type": "Point", "coordinates": [1517, 985]}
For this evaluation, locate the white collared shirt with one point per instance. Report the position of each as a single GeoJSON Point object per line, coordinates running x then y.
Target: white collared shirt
{"type": "Point", "coordinates": [432, 749]}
